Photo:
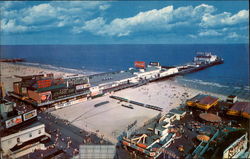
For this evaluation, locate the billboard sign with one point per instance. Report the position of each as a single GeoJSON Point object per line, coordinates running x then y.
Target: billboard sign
{"type": "Point", "coordinates": [140, 64]}
{"type": "Point", "coordinates": [236, 149]}
{"type": "Point", "coordinates": [78, 87]}
{"type": "Point", "coordinates": [77, 80]}
{"type": "Point", "coordinates": [63, 93]}
{"type": "Point", "coordinates": [44, 83]}
{"type": "Point", "coordinates": [14, 121]}
{"type": "Point", "coordinates": [45, 96]}
{"type": "Point", "coordinates": [29, 115]}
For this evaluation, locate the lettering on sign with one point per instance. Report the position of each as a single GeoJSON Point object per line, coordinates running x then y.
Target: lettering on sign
{"type": "Point", "coordinates": [78, 87]}
{"type": "Point", "coordinates": [63, 92]}
{"type": "Point", "coordinates": [44, 83]}
{"type": "Point", "coordinates": [140, 64]}
{"type": "Point", "coordinates": [29, 115]}
{"type": "Point", "coordinates": [14, 121]}
{"type": "Point", "coordinates": [77, 80]}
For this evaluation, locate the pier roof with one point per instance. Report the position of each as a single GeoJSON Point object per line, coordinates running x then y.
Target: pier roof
{"type": "Point", "coordinates": [110, 77]}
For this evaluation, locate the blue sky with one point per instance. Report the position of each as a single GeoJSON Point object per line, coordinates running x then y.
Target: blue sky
{"type": "Point", "coordinates": [126, 22]}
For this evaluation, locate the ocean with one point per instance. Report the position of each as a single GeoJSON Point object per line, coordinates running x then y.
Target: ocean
{"type": "Point", "coordinates": [232, 77]}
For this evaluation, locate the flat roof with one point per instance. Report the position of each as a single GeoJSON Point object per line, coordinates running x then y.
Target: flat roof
{"type": "Point", "coordinates": [208, 100]}
{"type": "Point", "coordinates": [109, 77]}
{"type": "Point", "coordinates": [169, 115]}
{"type": "Point", "coordinates": [241, 107]}
{"type": "Point", "coordinates": [147, 69]}
{"type": "Point", "coordinates": [198, 97]}
{"type": "Point", "coordinates": [204, 99]}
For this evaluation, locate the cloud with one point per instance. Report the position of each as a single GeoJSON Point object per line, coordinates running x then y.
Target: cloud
{"type": "Point", "coordinates": [104, 6]}
{"type": "Point", "coordinates": [209, 33]}
{"type": "Point", "coordinates": [11, 26]}
{"type": "Point", "coordinates": [224, 19]}
{"type": "Point", "coordinates": [189, 22]}
{"type": "Point", "coordinates": [93, 25]}
{"type": "Point", "coordinates": [42, 16]}
{"type": "Point", "coordinates": [233, 35]}
{"type": "Point", "coordinates": [236, 36]}
{"type": "Point", "coordinates": [39, 14]}
{"type": "Point", "coordinates": [164, 19]}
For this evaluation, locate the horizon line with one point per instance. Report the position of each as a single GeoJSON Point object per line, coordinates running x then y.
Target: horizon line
{"type": "Point", "coordinates": [135, 44]}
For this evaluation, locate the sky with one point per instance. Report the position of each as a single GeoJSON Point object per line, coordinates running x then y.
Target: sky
{"type": "Point", "coordinates": [124, 22]}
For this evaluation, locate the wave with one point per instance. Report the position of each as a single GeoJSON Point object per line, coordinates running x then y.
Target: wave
{"type": "Point", "coordinates": [247, 88]}
{"type": "Point", "coordinates": [197, 81]}
{"type": "Point", "coordinates": [237, 87]}
{"type": "Point", "coordinates": [241, 91]}
{"type": "Point", "coordinates": [59, 68]}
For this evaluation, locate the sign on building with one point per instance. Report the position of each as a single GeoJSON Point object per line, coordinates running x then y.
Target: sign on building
{"type": "Point", "coordinates": [44, 83]}
{"type": "Point", "coordinates": [140, 64]}
{"type": "Point", "coordinates": [79, 87]}
{"type": "Point", "coordinates": [14, 121]}
{"type": "Point", "coordinates": [29, 115]}
{"type": "Point", "coordinates": [63, 92]}
{"type": "Point", "coordinates": [45, 96]}
{"type": "Point", "coordinates": [72, 81]}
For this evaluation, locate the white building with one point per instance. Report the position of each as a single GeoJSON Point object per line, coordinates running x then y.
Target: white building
{"type": "Point", "coordinates": [170, 117]}
{"type": "Point", "coordinates": [167, 72]}
{"type": "Point", "coordinates": [24, 141]}
{"type": "Point", "coordinates": [148, 73]}
{"type": "Point", "coordinates": [206, 57]}
{"type": "Point", "coordinates": [178, 113]}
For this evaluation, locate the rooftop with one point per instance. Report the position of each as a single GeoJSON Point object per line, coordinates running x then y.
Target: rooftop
{"type": "Point", "coordinates": [204, 99]}
{"type": "Point", "coordinates": [241, 106]}
{"type": "Point", "coordinates": [169, 115]}
{"type": "Point", "coordinates": [110, 77]}
{"type": "Point", "coordinates": [208, 100]}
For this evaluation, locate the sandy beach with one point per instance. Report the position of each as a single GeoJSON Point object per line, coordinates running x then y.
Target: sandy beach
{"type": "Point", "coordinates": [112, 119]}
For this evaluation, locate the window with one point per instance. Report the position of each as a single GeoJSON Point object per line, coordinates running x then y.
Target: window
{"type": "Point", "coordinates": [18, 140]}
{"type": "Point", "coordinates": [39, 131]}
{"type": "Point", "coordinates": [30, 135]}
